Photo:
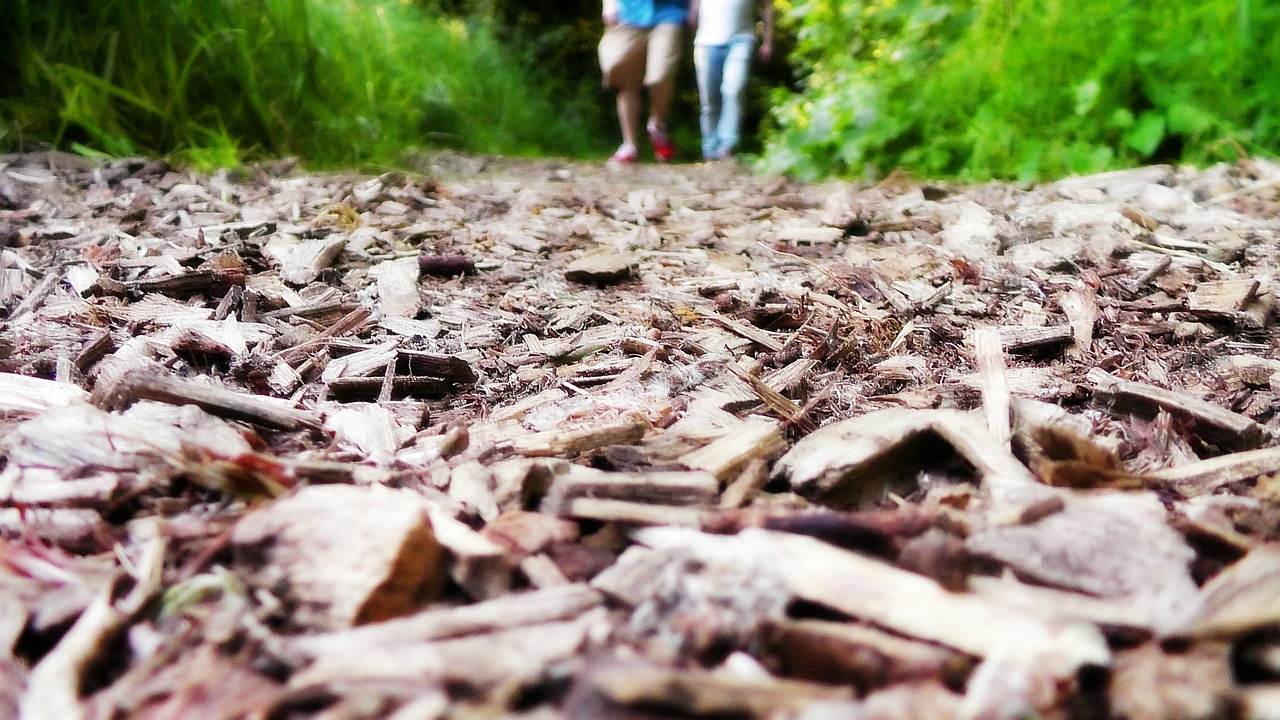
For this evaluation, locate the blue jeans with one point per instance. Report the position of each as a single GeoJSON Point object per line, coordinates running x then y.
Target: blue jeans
{"type": "Point", "coordinates": [722, 78]}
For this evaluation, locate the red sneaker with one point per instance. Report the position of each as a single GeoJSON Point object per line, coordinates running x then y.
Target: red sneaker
{"type": "Point", "coordinates": [662, 145]}
{"type": "Point", "coordinates": [625, 155]}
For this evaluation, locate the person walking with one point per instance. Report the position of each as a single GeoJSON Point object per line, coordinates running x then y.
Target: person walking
{"type": "Point", "coordinates": [640, 49]}
{"type": "Point", "coordinates": [722, 50]}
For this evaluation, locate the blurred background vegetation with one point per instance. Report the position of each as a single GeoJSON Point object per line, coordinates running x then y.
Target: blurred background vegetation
{"type": "Point", "coordinates": [333, 82]}
{"type": "Point", "coordinates": [1027, 89]}
{"type": "Point", "coordinates": [969, 89]}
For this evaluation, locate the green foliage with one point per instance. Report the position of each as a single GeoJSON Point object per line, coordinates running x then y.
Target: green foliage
{"type": "Point", "coordinates": [335, 82]}
{"type": "Point", "coordinates": [558, 38]}
{"type": "Point", "coordinates": [1026, 89]}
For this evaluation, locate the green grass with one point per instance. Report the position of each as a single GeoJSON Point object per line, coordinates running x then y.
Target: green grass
{"type": "Point", "coordinates": [216, 82]}
{"type": "Point", "coordinates": [1026, 89]}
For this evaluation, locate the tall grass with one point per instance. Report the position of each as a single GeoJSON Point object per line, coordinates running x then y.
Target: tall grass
{"type": "Point", "coordinates": [335, 82]}
{"type": "Point", "coordinates": [1028, 88]}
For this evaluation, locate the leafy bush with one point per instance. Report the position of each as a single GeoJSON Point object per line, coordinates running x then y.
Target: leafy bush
{"type": "Point", "coordinates": [1021, 89]}
{"type": "Point", "coordinates": [332, 81]}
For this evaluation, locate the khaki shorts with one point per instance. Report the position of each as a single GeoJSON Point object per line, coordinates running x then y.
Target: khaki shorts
{"type": "Point", "coordinates": [631, 56]}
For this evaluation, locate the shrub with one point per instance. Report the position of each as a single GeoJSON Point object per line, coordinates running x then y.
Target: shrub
{"type": "Point", "coordinates": [332, 81]}
{"type": "Point", "coordinates": [1019, 89]}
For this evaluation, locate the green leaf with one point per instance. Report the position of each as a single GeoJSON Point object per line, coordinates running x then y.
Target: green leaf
{"type": "Point", "coordinates": [1188, 119]}
{"type": "Point", "coordinates": [1087, 94]}
{"type": "Point", "coordinates": [1122, 118]}
{"type": "Point", "coordinates": [1146, 134]}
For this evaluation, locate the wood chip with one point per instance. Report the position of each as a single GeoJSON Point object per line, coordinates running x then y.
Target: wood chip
{"type": "Point", "coordinates": [24, 395]}
{"type": "Point", "coordinates": [1215, 423]}
{"type": "Point", "coordinates": [301, 261]}
{"type": "Point", "coordinates": [347, 555]}
{"type": "Point", "coordinates": [603, 268]}
{"type": "Point", "coordinates": [855, 461]}
{"type": "Point", "coordinates": [397, 282]}
{"type": "Point", "coordinates": [727, 457]}
{"type": "Point", "coordinates": [144, 383]}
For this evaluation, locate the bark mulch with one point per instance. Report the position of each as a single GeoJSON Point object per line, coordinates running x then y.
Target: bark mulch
{"type": "Point", "coordinates": [535, 439]}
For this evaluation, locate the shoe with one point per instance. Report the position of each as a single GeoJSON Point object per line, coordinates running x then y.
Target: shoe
{"type": "Point", "coordinates": [724, 153]}
{"type": "Point", "coordinates": [663, 148]}
{"type": "Point", "coordinates": [625, 155]}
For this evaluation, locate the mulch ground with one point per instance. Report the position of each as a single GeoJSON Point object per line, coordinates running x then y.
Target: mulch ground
{"type": "Point", "coordinates": [538, 439]}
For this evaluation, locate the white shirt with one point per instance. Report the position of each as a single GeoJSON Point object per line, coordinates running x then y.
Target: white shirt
{"type": "Point", "coordinates": [720, 20]}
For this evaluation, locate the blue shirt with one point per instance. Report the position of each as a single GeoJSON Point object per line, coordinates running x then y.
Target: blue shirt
{"type": "Point", "coordinates": [647, 13]}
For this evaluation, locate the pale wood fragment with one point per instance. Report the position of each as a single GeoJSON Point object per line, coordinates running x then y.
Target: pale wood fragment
{"type": "Point", "coordinates": [34, 298]}
{"type": "Point", "coordinates": [161, 310]}
{"type": "Point", "coordinates": [283, 379]}
{"type": "Point", "coordinates": [743, 393]}
{"type": "Point", "coordinates": [70, 528]}
{"type": "Point", "coordinates": [54, 685]}
{"type": "Point", "coordinates": [148, 383]}
{"type": "Point", "coordinates": [96, 492]}
{"type": "Point", "coordinates": [857, 460]}
{"type": "Point", "coordinates": [1043, 383]}
{"type": "Point", "coordinates": [542, 572]}
{"type": "Point", "coordinates": [572, 442]}
{"type": "Point", "coordinates": [1222, 297]}
{"type": "Point", "coordinates": [780, 404]}
{"type": "Point", "coordinates": [750, 332]}
{"type": "Point", "coordinates": [1242, 598]}
{"type": "Point", "coordinates": [601, 268]}
{"type": "Point", "coordinates": [989, 358]}
{"type": "Point", "coordinates": [1251, 370]}
{"type": "Point", "coordinates": [747, 485]}
{"type": "Point", "coordinates": [374, 430]}
{"type": "Point", "coordinates": [489, 616]}
{"type": "Point", "coordinates": [1150, 681]}
{"type": "Point", "coordinates": [476, 663]}
{"type": "Point", "coordinates": [633, 513]}
{"type": "Point", "coordinates": [347, 555]}
{"type": "Point", "coordinates": [727, 457]}
{"type": "Point", "coordinates": [14, 617]}
{"type": "Point", "coordinates": [300, 261]}
{"type": "Point", "coordinates": [471, 486]}
{"type": "Point", "coordinates": [918, 607]}
{"type": "Point", "coordinates": [361, 363]}
{"type": "Point", "coordinates": [1259, 702]}
{"type": "Point", "coordinates": [901, 305]}
{"type": "Point", "coordinates": [351, 323]}
{"type": "Point", "coordinates": [24, 395]}
{"type": "Point", "coordinates": [1213, 422]}
{"type": "Point", "coordinates": [1027, 339]}
{"type": "Point", "coordinates": [1110, 544]}
{"type": "Point", "coordinates": [13, 283]}
{"type": "Point", "coordinates": [1247, 302]}
{"type": "Point", "coordinates": [397, 282]}
{"type": "Point", "coordinates": [481, 567]}
{"type": "Point", "coordinates": [1206, 476]}
{"type": "Point", "coordinates": [920, 699]}
{"type": "Point", "coordinates": [699, 693]}
{"type": "Point", "coordinates": [807, 235]}
{"type": "Point", "coordinates": [846, 653]}
{"type": "Point", "coordinates": [1134, 613]}
{"type": "Point", "coordinates": [571, 482]}
{"type": "Point", "coordinates": [1081, 307]}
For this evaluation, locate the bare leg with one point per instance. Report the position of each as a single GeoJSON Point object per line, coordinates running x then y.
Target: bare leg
{"type": "Point", "coordinates": [659, 102]}
{"type": "Point", "coordinates": [630, 105]}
